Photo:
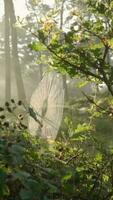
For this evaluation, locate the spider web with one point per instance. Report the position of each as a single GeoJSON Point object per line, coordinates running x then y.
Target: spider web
{"type": "Point", "coordinates": [47, 101]}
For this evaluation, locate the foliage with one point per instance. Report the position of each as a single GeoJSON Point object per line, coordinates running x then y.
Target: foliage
{"type": "Point", "coordinates": [32, 169]}
{"type": "Point", "coordinates": [86, 45]}
{"type": "Point", "coordinates": [77, 166]}
{"type": "Point", "coordinates": [29, 170]}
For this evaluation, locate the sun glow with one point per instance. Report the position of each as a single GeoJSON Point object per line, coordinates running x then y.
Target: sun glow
{"type": "Point", "coordinates": [21, 8]}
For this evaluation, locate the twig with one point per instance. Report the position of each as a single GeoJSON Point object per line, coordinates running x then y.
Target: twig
{"type": "Point", "coordinates": [93, 102]}
{"type": "Point", "coordinates": [74, 157]}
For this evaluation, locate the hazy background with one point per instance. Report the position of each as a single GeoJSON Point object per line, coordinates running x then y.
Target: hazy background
{"type": "Point", "coordinates": [19, 70]}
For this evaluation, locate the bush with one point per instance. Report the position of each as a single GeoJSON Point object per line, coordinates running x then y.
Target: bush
{"type": "Point", "coordinates": [31, 169]}
{"type": "Point", "coordinates": [34, 169]}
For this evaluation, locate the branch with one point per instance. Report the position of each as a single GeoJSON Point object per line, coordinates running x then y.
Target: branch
{"type": "Point", "coordinates": [61, 14]}
{"type": "Point", "coordinates": [79, 68]}
{"type": "Point", "coordinates": [61, 59]}
{"type": "Point", "coordinates": [100, 107]}
{"type": "Point", "coordinates": [74, 157]}
{"type": "Point", "coordinates": [106, 80]}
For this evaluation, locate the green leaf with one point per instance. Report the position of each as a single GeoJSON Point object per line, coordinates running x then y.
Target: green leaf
{"type": "Point", "coordinates": [21, 175]}
{"type": "Point", "coordinates": [83, 128]}
{"type": "Point", "coordinates": [2, 176]}
{"type": "Point", "coordinates": [36, 46]}
{"type": "Point", "coordinates": [66, 177]}
{"type": "Point", "coordinates": [105, 178]}
{"type": "Point", "coordinates": [4, 191]}
{"type": "Point", "coordinates": [98, 157]}
{"type": "Point", "coordinates": [53, 189]}
{"type": "Point", "coordinates": [26, 195]}
{"type": "Point", "coordinates": [81, 84]}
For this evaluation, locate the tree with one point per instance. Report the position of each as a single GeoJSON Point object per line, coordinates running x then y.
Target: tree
{"type": "Point", "coordinates": [86, 45]}
{"type": "Point", "coordinates": [61, 28]}
{"type": "Point", "coordinates": [37, 10]}
{"type": "Point", "coordinates": [11, 51]}
{"type": "Point", "coordinates": [7, 52]}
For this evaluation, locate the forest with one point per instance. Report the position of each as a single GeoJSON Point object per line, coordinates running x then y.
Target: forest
{"type": "Point", "coordinates": [56, 106]}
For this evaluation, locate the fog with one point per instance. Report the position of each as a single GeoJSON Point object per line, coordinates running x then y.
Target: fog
{"type": "Point", "coordinates": [22, 59]}
{"type": "Point", "coordinates": [20, 70]}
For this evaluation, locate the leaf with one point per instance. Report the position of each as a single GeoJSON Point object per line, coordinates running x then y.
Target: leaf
{"type": "Point", "coordinates": [3, 187]}
{"type": "Point", "coordinates": [66, 177]}
{"type": "Point", "coordinates": [36, 46]}
{"type": "Point", "coordinates": [53, 189]}
{"type": "Point", "coordinates": [16, 152]}
{"type": "Point", "coordinates": [1, 109]}
{"type": "Point", "coordinates": [81, 84]}
{"type": "Point", "coordinates": [2, 176]}
{"type": "Point", "coordinates": [21, 175]}
{"type": "Point", "coordinates": [41, 35]}
{"type": "Point", "coordinates": [32, 189]}
{"type": "Point", "coordinates": [83, 128]}
{"type": "Point", "coordinates": [105, 178]}
{"type": "Point", "coordinates": [98, 157]}
{"type": "Point", "coordinates": [26, 195]}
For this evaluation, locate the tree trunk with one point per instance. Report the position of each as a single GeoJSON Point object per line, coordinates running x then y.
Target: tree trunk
{"type": "Point", "coordinates": [61, 27]}
{"type": "Point", "coordinates": [16, 64]}
{"type": "Point", "coordinates": [7, 54]}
